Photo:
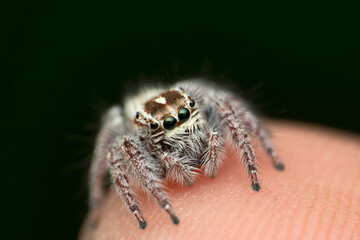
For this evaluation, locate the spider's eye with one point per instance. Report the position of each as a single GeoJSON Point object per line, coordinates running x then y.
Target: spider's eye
{"type": "Point", "coordinates": [192, 103]}
{"type": "Point", "coordinates": [154, 125]}
{"type": "Point", "coordinates": [184, 114]}
{"type": "Point", "coordinates": [137, 115]}
{"type": "Point", "coordinates": [169, 123]}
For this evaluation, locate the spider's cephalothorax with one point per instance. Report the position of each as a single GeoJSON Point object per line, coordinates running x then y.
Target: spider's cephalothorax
{"type": "Point", "coordinates": [171, 119]}
{"type": "Point", "coordinates": [169, 134]}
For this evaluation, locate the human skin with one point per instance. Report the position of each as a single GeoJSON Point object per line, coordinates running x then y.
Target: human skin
{"type": "Point", "coordinates": [317, 196]}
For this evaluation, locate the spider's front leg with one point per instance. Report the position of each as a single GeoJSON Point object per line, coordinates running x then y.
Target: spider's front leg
{"type": "Point", "coordinates": [240, 137]}
{"type": "Point", "coordinates": [123, 187]}
{"type": "Point", "coordinates": [146, 175]}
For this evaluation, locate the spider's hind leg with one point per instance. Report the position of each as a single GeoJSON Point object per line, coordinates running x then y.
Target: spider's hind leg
{"type": "Point", "coordinates": [253, 123]}
{"type": "Point", "coordinates": [266, 142]}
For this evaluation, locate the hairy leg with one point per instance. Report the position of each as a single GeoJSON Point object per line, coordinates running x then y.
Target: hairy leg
{"type": "Point", "coordinates": [110, 123]}
{"type": "Point", "coordinates": [146, 176]}
{"type": "Point", "coordinates": [254, 124]}
{"type": "Point", "coordinates": [122, 185]}
{"type": "Point", "coordinates": [241, 139]}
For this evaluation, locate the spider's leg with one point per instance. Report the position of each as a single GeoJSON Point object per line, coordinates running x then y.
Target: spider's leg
{"type": "Point", "coordinates": [122, 185]}
{"type": "Point", "coordinates": [96, 180]}
{"type": "Point", "coordinates": [146, 175]}
{"type": "Point", "coordinates": [111, 121]}
{"type": "Point", "coordinates": [177, 170]}
{"type": "Point", "coordinates": [261, 132]}
{"type": "Point", "coordinates": [241, 139]}
{"type": "Point", "coordinates": [266, 142]}
{"type": "Point", "coordinates": [211, 160]}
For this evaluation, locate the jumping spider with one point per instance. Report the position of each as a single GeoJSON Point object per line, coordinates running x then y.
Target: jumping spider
{"type": "Point", "coordinates": [163, 134]}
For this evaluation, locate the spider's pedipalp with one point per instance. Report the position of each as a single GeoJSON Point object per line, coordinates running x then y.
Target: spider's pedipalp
{"type": "Point", "coordinates": [211, 159]}
{"type": "Point", "coordinates": [177, 170]}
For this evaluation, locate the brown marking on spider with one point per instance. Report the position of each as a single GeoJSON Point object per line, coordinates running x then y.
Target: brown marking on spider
{"type": "Point", "coordinates": [153, 107]}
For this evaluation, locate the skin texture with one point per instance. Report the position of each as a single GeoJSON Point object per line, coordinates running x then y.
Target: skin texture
{"type": "Point", "coordinates": [317, 196]}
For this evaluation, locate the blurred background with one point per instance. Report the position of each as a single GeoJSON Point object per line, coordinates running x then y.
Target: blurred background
{"type": "Point", "coordinates": [64, 62]}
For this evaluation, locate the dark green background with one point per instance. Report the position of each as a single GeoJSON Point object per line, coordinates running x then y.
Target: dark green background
{"type": "Point", "coordinates": [63, 62]}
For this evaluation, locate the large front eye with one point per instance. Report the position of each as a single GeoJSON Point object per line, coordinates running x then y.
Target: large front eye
{"type": "Point", "coordinates": [169, 123]}
{"type": "Point", "coordinates": [184, 114]}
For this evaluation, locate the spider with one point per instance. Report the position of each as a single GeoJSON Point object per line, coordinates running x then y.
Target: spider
{"type": "Point", "coordinates": [169, 134]}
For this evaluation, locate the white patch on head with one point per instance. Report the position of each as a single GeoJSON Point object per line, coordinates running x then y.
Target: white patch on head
{"type": "Point", "coordinates": [161, 100]}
